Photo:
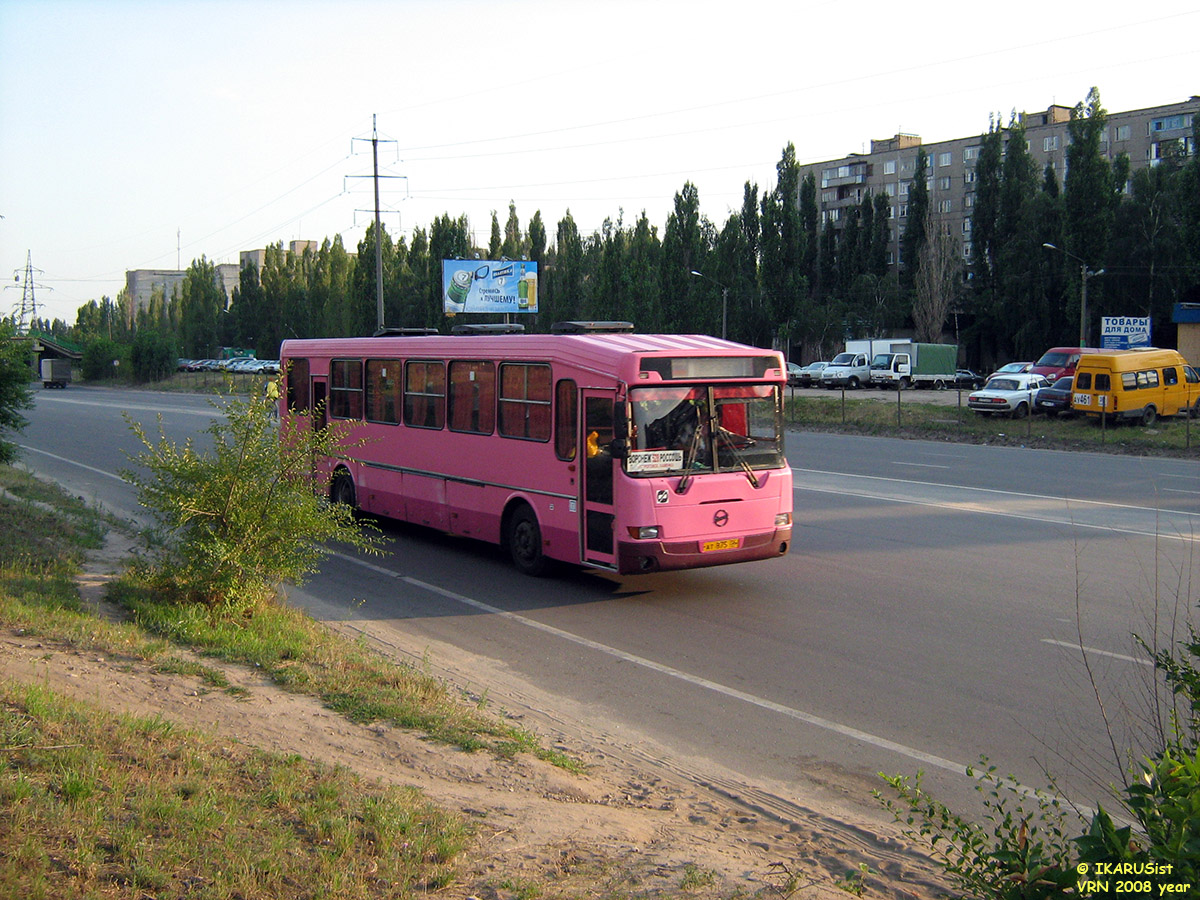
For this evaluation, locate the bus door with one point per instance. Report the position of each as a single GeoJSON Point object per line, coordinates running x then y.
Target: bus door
{"type": "Point", "coordinates": [597, 514]}
{"type": "Point", "coordinates": [320, 401]}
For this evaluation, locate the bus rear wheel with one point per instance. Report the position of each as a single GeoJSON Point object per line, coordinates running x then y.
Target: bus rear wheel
{"type": "Point", "coordinates": [1149, 414]}
{"type": "Point", "coordinates": [525, 542]}
{"type": "Point", "coordinates": [342, 490]}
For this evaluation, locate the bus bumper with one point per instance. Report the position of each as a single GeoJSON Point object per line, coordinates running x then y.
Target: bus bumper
{"type": "Point", "coordinates": [635, 557]}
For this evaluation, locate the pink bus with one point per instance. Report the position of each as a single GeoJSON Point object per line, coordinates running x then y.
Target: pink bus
{"type": "Point", "coordinates": [591, 445]}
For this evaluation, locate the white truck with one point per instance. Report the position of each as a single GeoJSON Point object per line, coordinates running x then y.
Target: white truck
{"type": "Point", "coordinates": [907, 364]}
{"type": "Point", "coordinates": [852, 368]}
{"type": "Point", "coordinates": [56, 373]}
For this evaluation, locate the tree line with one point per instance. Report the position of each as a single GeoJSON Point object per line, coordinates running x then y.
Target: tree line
{"type": "Point", "coordinates": [773, 274]}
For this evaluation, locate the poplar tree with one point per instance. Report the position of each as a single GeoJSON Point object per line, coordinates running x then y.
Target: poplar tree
{"type": "Point", "coordinates": [914, 229]}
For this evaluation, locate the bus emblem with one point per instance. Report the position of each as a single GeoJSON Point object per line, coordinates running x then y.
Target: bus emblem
{"type": "Point", "coordinates": [721, 519]}
{"type": "Point", "coordinates": [662, 496]}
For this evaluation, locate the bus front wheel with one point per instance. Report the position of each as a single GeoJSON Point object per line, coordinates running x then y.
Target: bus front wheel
{"type": "Point", "coordinates": [525, 542]}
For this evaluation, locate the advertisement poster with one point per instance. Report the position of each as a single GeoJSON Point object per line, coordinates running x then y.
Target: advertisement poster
{"type": "Point", "coordinates": [1124, 332]}
{"type": "Point", "coordinates": [483, 286]}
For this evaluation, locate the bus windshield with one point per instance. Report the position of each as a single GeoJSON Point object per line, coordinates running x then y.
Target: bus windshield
{"type": "Point", "coordinates": [697, 429]}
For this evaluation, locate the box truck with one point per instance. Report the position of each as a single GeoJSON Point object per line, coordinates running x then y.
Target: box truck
{"type": "Point", "coordinates": [56, 373]}
{"type": "Point", "coordinates": [852, 367]}
{"type": "Point", "coordinates": [907, 364]}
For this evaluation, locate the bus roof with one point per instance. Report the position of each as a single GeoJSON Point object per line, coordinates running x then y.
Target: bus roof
{"type": "Point", "coordinates": [616, 354]}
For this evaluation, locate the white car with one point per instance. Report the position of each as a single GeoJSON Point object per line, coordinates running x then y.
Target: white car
{"type": "Point", "coordinates": [1014, 368]}
{"type": "Point", "coordinates": [1012, 394]}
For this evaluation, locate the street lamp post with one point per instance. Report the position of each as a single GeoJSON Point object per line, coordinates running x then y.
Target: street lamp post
{"type": "Point", "coordinates": [724, 300]}
{"type": "Point", "coordinates": [1084, 275]}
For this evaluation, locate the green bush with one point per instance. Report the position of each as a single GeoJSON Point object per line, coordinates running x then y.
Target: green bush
{"type": "Point", "coordinates": [14, 387]}
{"type": "Point", "coordinates": [236, 522]}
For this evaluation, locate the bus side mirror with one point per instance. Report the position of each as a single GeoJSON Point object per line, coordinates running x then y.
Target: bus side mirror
{"type": "Point", "coordinates": [620, 422]}
{"type": "Point", "coordinates": [619, 448]}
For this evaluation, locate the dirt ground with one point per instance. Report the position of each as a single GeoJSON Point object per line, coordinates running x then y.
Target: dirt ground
{"type": "Point", "coordinates": [628, 827]}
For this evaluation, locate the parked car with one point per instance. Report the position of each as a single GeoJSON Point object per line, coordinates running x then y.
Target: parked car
{"type": "Point", "coordinates": [1055, 399]}
{"type": "Point", "coordinates": [965, 378]}
{"type": "Point", "coordinates": [1012, 394]}
{"type": "Point", "coordinates": [807, 376]}
{"type": "Point", "coordinates": [1013, 368]}
{"type": "Point", "coordinates": [793, 374]}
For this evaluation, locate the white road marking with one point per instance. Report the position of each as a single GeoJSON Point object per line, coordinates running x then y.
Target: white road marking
{"type": "Point", "coordinates": [71, 462]}
{"type": "Point", "coordinates": [882, 743]}
{"type": "Point", "coordinates": [1121, 656]}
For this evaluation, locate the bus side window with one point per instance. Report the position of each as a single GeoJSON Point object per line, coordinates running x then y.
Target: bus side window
{"type": "Point", "coordinates": [345, 389]}
{"type": "Point", "coordinates": [424, 394]}
{"type": "Point", "coordinates": [1103, 382]}
{"type": "Point", "coordinates": [298, 397]}
{"type": "Point", "coordinates": [566, 412]}
{"type": "Point", "coordinates": [1083, 381]}
{"type": "Point", "coordinates": [1170, 375]}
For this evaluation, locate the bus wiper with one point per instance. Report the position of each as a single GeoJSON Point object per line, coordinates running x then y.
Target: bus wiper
{"type": "Point", "coordinates": [726, 436]}
{"type": "Point", "coordinates": [689, 459]}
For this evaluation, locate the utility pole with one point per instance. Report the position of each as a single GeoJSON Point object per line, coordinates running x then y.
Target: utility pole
{"type": "Point", "coordinates": [375, 140]}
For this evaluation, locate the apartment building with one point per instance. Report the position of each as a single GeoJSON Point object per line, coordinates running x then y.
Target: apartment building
{"type": "Point", "coordinates": [1144, 135]}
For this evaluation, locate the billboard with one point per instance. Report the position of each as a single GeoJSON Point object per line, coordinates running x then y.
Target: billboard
{"type": "Point", "coordinates": [1124, 332]}
{"type": "Point", "coordinates": [483, 286]}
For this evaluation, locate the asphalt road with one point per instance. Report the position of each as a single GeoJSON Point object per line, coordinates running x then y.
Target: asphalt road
{"type": "Point", "coordinates": [931, 610]}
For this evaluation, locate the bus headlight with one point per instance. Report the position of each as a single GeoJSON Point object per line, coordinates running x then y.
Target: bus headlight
{"type": "Point", "coordinates": [644, 532]}
{"type": "Point", "coordinates": [783, 520]}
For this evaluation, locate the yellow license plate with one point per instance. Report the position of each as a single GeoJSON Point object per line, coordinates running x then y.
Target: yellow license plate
{"type": "Point", "coordinates": [709, 546]}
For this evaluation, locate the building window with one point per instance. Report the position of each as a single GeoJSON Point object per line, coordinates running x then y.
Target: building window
{"type": "Point", "coordinates": [944, 183]}
{"type": "Point", "coordinates": [889, 167]}
{"type": "Point", "coordinates": [970, 176]}
{"type": "Point", "coordinates": [969, 201]}
{"type": "Point", "coordinates": [945, 159]}
{"type": "Point", "coordinates": [945, 206]}
{"type": "Point", "coordinates": [902, 210]}
{"type": "Point", "coordinates": [1122, 132]}
{"type": "Point", "coordinates": [970, 153]}
{"type": "Point", "coordinates": [1050, 143]}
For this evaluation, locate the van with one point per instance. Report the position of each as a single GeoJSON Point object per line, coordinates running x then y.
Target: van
{"type": "Point", "coordinates": [1060, 362]}
{"type": "Point", "coordinates": [1138, 385]}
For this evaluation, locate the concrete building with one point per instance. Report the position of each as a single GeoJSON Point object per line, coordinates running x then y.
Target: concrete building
{"type": "Point", "coordinates": [140, 285]}
{"type": "Point", "coordinates": [1144, 135]}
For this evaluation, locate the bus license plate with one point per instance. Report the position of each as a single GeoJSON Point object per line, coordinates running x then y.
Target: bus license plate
{"type": "Point", "coordinates": [710, 546]}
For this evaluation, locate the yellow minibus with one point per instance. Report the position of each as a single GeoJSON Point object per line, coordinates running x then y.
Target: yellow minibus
{"type": "Point", "coordinates": [1138, 385]}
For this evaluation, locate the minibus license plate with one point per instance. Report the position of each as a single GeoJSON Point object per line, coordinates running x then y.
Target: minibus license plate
{"type": "Point", "coordinates": [729, 544]}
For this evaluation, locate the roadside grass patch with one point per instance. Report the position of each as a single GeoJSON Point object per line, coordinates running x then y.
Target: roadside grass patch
{"type": "Point", "coordinates": [93, 804]}
{"type": "Point", "coordinates": [305, 657]}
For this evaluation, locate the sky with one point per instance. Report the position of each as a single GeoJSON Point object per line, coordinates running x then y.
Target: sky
{"type": "Point", "coordinates": [145, 134]}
